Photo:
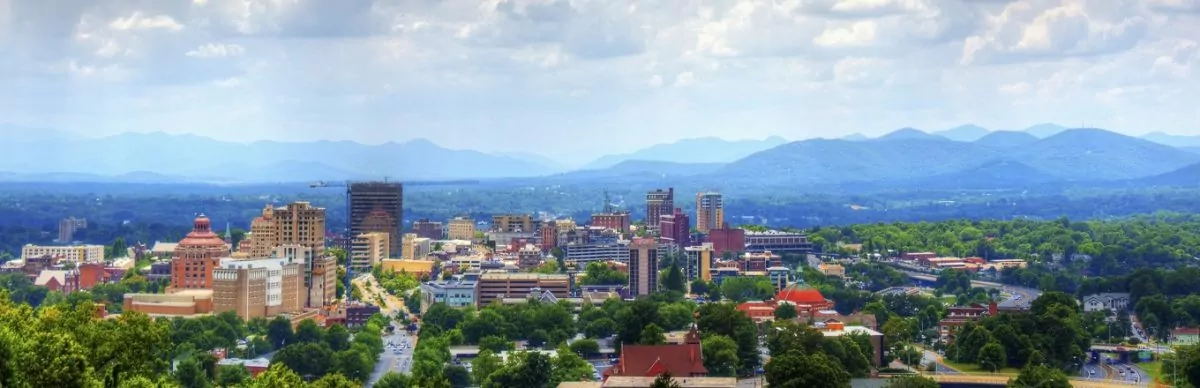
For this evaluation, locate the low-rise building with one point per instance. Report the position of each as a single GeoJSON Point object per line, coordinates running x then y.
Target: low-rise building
{"type": "Point", "coordinates": [64, 281]}
{"type": "Point", "coordinates": [368, 249]}
{"type": "Point", "coordinates": [777, 241]}
{"type": "Point", "coordinates": [529, 256]}
{"type": "Point", "coordinates": [835, 270]}
{"type": "Point", "coordinates": [585, 253]}
{"type": "Point", "coordinates": [72, 253]}
{"type": "Point", "coordinates": [780, 276]}
{"type": "Point", "coordinates": [958, 316]}
{"type": "Point", "coordinates": [357, 314]}
{"type": "Point", "coordinates": [419, 268]}
{"type": "Point", "coordinates": [258, 288]}
{"type": "Point", "coordinates": [456, 292]}
{"type": "Point", "coordinates": [838, 329]}
{"type": "Point", "coordinates": [255, 367]}
{"type": "Point", "coordinates": [415, 247]}
{"type": "Point", "coordinates": [496, 286]}
{"type": "Point", "coordinates": [460, 228]}
{"type": "Point", "coordinates": [181, 303]}
{"type": "Point", "coordinates": [681, 361]}
{"type": "Point", "coordinates": [1108, 301]}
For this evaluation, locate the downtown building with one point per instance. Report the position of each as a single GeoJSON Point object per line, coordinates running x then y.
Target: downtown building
{"type": "Point", "coordinates": [460, 228]}
{"type": "Point", "coordinates": [710, 211]}
{"type": "Point", "coordinates": [658, 202]}
{"type": "Point", "coordinates": [675, 229]}
{"type": "Point", "coordinates": [377, 207]}
{"type": "Point", "coordinates": [643, 267]}
{"type": "Point", "coordinates": [258, 288]}
{"type": "Point", "coordinates": [72, 253]}
{"type": "Point", "coordinates": [428, 229]}
{"type": "Point", "coordinates": [367, 250]}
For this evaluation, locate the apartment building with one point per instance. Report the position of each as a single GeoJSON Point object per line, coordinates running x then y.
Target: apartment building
{"type": "Point", "coordinates": [460, 228]}
{"type": "Point", "coordinates": [516, 223]}
{"type": "Point", "coordinates": [73, 253]}
{"type": "Point", "coordinates": [658, 202]}
{"type": "Point", "coordinates": [529, 256]}
{"type": "Point", "coordinates": [415, 247]}
{"type": "Point", "coordinates": [710, 211]}
{"type": "Point", "coordinates": [643, 267]}
{"type": "Point", "coordinates": [699, 262]}
{"type": "Point", "coordinates": [367, 250]}
{"type": "Point", "coordinates": [675, 228]}
{"type": "Point", "coordinates": [258, 288]}
{"type": "Point", "coordinates": [494, 286]}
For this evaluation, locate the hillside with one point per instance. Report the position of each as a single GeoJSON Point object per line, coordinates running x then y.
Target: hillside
{"type": "Point", "coordinates": [837, 161]}
{"type": "Point", "coordinates": [1188, 176]}
{"type": "Point", "coordinates": [1044, 130]}
{"type": "Point", "coordinates": [967, 133]}
{"type": "Point", "coordinates": [910, 134]}
{"type": "Point", "coordinates": [193, 156]}
{"type": "Point", "coordinates": [1172, 140]}
{"type": "Point", "coordinates": [1095, 154]}
{"type": "Point", "coordinates": [1001, 140]}
{"type": "Point", "coordinates": [699, 150]}
{"type": "Point", "coordinates": [644, 169]}
{"type": "Point", "coordinates": [998, 174]}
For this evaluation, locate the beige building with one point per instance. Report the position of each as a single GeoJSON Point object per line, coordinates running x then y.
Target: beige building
{"type": "Point", "coordinates": [643, 267]}
{"type": "Point", "coordinates": [264, 234]}
{"type": "Point", "coordinates": [495, 286]}
{"type": "Point", "coordinates": [258, 288]}
{"type": "Point", "coordinates": [710, 211]}
{"type": "Point", "coordinates": [75, 253]}
{"type": "Point", "coordinates": [415, 247]}
{"type": "Point", "coordinates": [529, 256]}
{"type": "Point", "coordinates": [368, 249]}
{"type": "Point", "coordinates": [832, 270]}
{"type": "Point", "coordinates": [461, 229]}
{"type": "Point", "coordinates": [320, 272]}
{"type": "Point", "coordinates": [513, 223]}
{"type": "Point", "coordinates": [699, 262]}
{"type": "Point", "coordinates": [298, 223]}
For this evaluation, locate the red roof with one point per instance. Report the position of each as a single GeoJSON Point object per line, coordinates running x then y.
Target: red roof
{"type": "Point", "coordinates": [201, 235]}
{"type": "Point", "coordinates": [798, 295]}
{"type": "Point", "coordinates": [652, 360]}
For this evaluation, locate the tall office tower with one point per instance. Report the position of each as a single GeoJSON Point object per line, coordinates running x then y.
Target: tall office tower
{"type": "Point", "coordinates": [377, 207]}
{"type": "Point", "coordinates": [658, 203]}
{"type": "Point", "coordinates": [710, 211]}
{"type": "Point", "coordinates": [643, 267]}
{"type": "Point", "coordinates": [67, 228]}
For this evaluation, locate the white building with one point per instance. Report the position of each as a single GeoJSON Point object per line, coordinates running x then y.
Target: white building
{"type": "Point", "coordinates": [1111, 301]}
{"type": "Point", "coordinates": [75, 253]}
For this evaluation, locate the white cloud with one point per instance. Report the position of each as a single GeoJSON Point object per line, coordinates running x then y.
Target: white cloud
{"type": "Point", "coordinates": [216, 50]}
{"type": "Point", "coordinates": [470, 74]}
{"type": "Point", "coordinates": [137, 21]}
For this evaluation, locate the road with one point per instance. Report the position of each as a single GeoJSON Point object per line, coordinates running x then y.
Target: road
{"type": "Point", "coordinates": [395, 357]}
{"type": "Point", "coordinates": [929, 356]}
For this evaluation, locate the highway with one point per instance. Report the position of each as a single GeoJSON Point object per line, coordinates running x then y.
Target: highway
{"type": "Point", "coordinates": [396, 356]}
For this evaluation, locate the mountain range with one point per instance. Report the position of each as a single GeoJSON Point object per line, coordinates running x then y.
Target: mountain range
{"type": "Point", "coordinates": [965, 156]}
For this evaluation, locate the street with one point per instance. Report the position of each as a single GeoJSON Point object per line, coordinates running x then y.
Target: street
{"type": "Point", "coordinates": [398, 352]}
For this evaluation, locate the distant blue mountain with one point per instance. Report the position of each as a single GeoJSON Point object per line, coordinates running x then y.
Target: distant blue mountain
{"type": "Point", "coordinates": [1044, 130]}
{"type": "Point", "coordinates": [699, 150]}
{"type": "Point", "coordinates": [855, 137]}
{"type": "Point", "coordinates": [1006, 140]}
{"type": "Point", "coordinates": [909, 133]}
{"type": "Point", "coordinates": [197, 156]}
{"type": "Point", "coordinates": [1173, 140]}
{"type": "Point", "coordinates": [967, 133]}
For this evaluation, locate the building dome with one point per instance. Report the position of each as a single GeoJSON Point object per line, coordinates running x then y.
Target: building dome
{"type": "Point", "coordinates": [201, 235]}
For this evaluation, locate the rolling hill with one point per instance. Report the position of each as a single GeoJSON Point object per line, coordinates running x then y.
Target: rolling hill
{"type": "Point", "coordinates": [1096, 154]}
{"type": "Point", "coordinates": [1003, 140]}
{"type": "Point", "coordinates": [644, 169]}
{"type": "Point", "coordinates": [821, 161]}
{"type": "Point", "coordinates": [1173, 140]}
{"type": "Point", "coordinates": [1044, 130]}
{"type": "Point", "coordinates": [1188, 176]}
{"type": "Point", "coordinates": [909, 133]}
{"type": "Point", "coordinates": [699, 150]}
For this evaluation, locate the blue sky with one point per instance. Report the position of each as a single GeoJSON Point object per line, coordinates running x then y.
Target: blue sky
{"type": "Point", "coordinates": [577, 78]}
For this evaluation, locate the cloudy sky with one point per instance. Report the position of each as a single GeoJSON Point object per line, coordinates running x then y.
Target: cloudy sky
{"type": "Point", "coordinates": [574, 78]}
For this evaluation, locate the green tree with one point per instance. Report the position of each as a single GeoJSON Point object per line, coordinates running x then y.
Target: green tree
{"type": "Point", "coordinates": [190, 374]}
{"type": "Point", "coordinates": [672, 279]}
{"type": "Point", "coordinates": [569, 366]}
{"type": "Point", "coordinates": [394, 380]}
{"type": "Point", "coordinates": [308, 331]}
{"type": "Point", "coordinates": [992, 357]}
{"type": "Point", "coordinates": [119, 249]}
{"type": "Point", "coordinates": [816, 370]}
{"type": "Point", "coordinates": [457, 376]}
{"type": "Point", "coordinates": [355, 364]}
{"type": "Point", "coordinates": [720, 355]}
{"type": "Point", "coordinates": [785, 311]}
{"type": "Point", "coordinates": [911, 381]}
{"type": "Point", "coordinates": [495, 344]}
{"type": "Point", "coordinates": [334, 380]}
{"type": "Point", "coordinates": [652, 335]}
{"type": "Point", "coordinates": [232, 375]}
{"type": "Point", "coordinates": [600, 328]}
{"type": "Point", "coordinates": [305, 359]}
{"type": "Point", "coordinates": [665, 381]}
{"type": "Point", "coordinates": [53, 359]}
{"type": "Point", "coordinates": [279, 332]}
{"type": "Point", "coordinates": [698, 287]}
{"type": "Point", "coordinates": [524, 369]}
{"type": "Point", "coordinates": [484, 365]}
{"type": "Point", "coordinates": [1040, 376]}
{"type": "Point", "coordinates": [585, 347]}
{"type": "Point", "coordinates": [277, 376]}
{"type": "Point", "coordinates": [338, 337]}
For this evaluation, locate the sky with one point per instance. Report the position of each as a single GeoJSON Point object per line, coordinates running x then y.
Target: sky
{"type": "Point", "coordinates": [577, 78]}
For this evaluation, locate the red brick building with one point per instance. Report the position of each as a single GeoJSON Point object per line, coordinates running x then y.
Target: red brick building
{"type": "Point", "coordinates": [727, 240]}
{"type": "Point", "coordinates": [196, 256]}
{"type": "Point", "coordinates": [682, 360]}
{"type": "Point", "coordinates": [616, 221]}
{"type": "Point", "coordinates": [675, 228]}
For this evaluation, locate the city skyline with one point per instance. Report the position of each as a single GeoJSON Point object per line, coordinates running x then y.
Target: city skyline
{"type": "Point", "coordinates": [467, 75]}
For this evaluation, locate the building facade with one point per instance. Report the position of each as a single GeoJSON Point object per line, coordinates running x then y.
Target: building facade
{"type": "Point", "coordinates": [458, 292]}
{"type": "Point", "coordinates": [643, 267]}
{"type": "Point", "coordinates": [776, 241]}
{"type": "Point", "coordinates": [494, 286]}
{"type": "Point", "coordinates": [529, 256]}
{"type": "Point", "coordinates": [367, 250]}
{"type": "Point", "coordinates": [461, 228]}
{"type": "Point", "coordinates": [516, 223]}
{"type": "Point", "coordinates": [428, 229]}
{"type": "Point", "coordinates": [710, 211]}
{"type": "Point", "coordinates": [67, 228]}
{"type": "Point", "coordinates": [596, 252]}
{"type": "Point", "coordinates": [699, 262]}
{"type": "Point", "coordinates": [619, 221]}
{"type": "Point", "coordinates": [658, 202]}
{"type": "Point", "coordinates": [415, 247]}
{"type": "Point", "coordinates": [724, 240]}
{"type": "Point", "coordinates": [258, 288]}
{"type": "Point", "coordinates": [377, 207]}
{"type": "Point", "coordinates": [264, 234]}
{"type": "Point", "coordinates": [73, 253]}
{"type": "Point", "coordinates": [196, 256]}
{"type": "Point", "coordinates": [675, 228]}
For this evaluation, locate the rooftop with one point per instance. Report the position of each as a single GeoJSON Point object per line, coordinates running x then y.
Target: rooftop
{"type": "Point", "coordinates": [851, 330]}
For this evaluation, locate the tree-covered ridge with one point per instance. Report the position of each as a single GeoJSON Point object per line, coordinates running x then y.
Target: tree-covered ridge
{"type": "Point", "coordinates": [1104, 247]}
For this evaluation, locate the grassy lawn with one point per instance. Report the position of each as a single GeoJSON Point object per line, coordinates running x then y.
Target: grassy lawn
{"type": "Point", "coordinates": [974, 369]}
{"type": "Point", "coordinates": [1152, 368]}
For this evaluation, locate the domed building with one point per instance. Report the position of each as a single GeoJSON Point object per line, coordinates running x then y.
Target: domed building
{"type": "Point", "coordinates": [196, 256]}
